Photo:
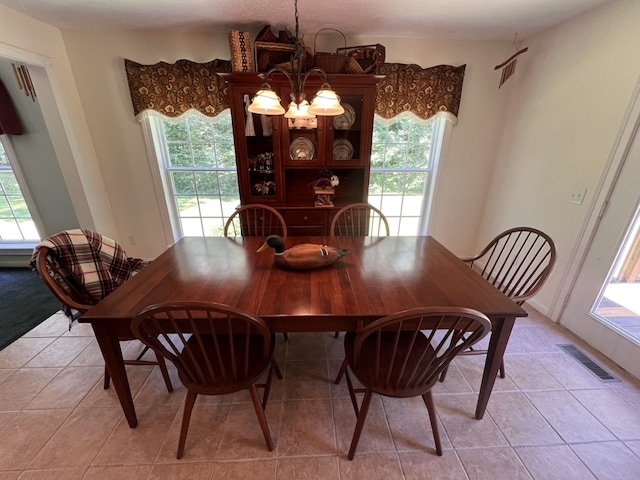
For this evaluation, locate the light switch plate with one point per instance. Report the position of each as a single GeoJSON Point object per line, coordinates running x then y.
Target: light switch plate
{"type": "Point", "coordinates": [577, 195]}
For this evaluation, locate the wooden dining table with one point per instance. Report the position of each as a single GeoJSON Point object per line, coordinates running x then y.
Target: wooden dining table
{"type": "Point", "coordinates": [380, 276]}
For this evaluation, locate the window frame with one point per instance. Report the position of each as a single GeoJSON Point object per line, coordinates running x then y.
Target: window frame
{"type": "Point", "coordinates": [28, 198]}
{"type": "Point", "coordinates": [158, 150]}
{"type": "Point", "coordinates": [439, 144]}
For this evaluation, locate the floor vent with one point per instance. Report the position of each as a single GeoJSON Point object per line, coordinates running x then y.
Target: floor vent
{"type": "Point", "coordinates": [588, 363]}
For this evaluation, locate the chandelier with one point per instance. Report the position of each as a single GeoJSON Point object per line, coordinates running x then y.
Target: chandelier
{"type": "Point", "coordinates": [326, 101]}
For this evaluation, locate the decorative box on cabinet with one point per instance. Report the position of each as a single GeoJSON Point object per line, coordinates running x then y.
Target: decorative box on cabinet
{"type": "Point", "coordinates": [303, 152]}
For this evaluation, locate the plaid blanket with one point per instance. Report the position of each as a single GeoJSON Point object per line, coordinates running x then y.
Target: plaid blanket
{"type": "Point", "coordinates": [98, 262]}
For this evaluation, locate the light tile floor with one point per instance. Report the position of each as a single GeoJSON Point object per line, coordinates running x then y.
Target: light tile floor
{"type": "Point", "coordinates": [549, 419]}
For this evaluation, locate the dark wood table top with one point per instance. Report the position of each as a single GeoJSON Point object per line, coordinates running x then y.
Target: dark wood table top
{"type": "Point", "coordinates": [380, 276]}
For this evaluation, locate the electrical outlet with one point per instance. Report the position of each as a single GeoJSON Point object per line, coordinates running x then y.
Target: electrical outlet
{"type": "Point", "coordinates": [577, 196]}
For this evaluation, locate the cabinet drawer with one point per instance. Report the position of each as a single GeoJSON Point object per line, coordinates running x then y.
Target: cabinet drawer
{"type": "Point", "coordinates": [307, 230]}
{"type": "Point", "coordinates": [306, 217]}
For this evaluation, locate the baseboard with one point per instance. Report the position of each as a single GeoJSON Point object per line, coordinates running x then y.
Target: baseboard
{"type": "Point", "coordinates": [15, 258]}
{"type": "Point", "coordinates": [543, 309]}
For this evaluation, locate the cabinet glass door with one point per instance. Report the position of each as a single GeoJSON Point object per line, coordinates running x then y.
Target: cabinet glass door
{"type": "Point", "coordinates": [345, 133]}
{"type": "Point", "coordinates": [260, 156]}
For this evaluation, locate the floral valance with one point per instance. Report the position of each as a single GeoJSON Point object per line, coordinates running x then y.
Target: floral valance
{"type": "Point", "coordinates": [425, 92]}
{"type": "Point", "coordinates": [172, 89]}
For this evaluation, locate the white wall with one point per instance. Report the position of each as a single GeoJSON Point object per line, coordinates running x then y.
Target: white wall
{"type": "Point", "coordinates": [567, 99]}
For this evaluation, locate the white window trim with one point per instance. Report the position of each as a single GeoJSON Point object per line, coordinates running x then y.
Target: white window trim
{"type": "Point", "coordinates": [153, 131]}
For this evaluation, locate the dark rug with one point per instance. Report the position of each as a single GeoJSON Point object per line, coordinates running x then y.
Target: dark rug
{"type": "Point", "coordinates": [25, 302]}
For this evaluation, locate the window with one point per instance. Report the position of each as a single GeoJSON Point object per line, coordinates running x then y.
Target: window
{"type": "Point", "coordinates": [200, 182]}
{"type": "Point", "coordinates": [198, 170]}
{"type": "Point", "coordinates": [404, 158]}
{"type": "Point", "coordinates": [16, 224]}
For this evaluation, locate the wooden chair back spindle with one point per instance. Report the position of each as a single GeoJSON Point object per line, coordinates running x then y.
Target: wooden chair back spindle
{"type": "Point", "coordinates": [255, 220]}
{"type": "Point", "coordinates": [359, 220]}
{"type": "Point", "coordinates": [517, 262]}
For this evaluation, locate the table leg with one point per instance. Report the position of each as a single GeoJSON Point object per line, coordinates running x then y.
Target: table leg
{"type": "Point", "coordinates": [500, 333]}
{"type": "Point", "coordinates": [112, 354]}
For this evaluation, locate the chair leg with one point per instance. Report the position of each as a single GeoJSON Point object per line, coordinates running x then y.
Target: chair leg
{"type": "Point", "coordinates": [276, 368]}
{"type": "Point", "coordinates": [262, 419]}
{"type": "Point", "coordinates": [186, 418]}
{"type": "Point", "coordinates": [364, 409]}
{"type": "Point", "coordinates": [343, 368]}
{"type": "Point", "coordinates": [165, 373]}
{"type": "Point", "coordinates": [352, 393]}
{"type": "Point", "coordinates": [443, 375]}
{"type": "Point", "coordinates": [502, 369]}
{"type": "Point", "coordinates": [285, 335]}
{"type": "Point", "coordinates": [107, 378]}
{"type": "Point", "coordinates": [337, 334]}
{"type": "Point", "coordinates": [267, 387]}
{"type": "Point", "coordinates": [431, 407]}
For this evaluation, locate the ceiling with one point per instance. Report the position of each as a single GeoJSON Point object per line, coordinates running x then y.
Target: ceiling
{"type": "Point", "coordinates": [444, 19]}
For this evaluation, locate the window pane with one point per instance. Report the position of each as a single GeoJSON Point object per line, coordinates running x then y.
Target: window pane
{"type": "Point", "coordinates": [191, 227]}
{"type": "Point", "coordinates": [229, 184]}
{"type": "Point", "coordinates": [188, 206]}
{"type": "Point", "coordinates": [421, 133]}
{"type": "Point", "coordinates": [5, 209]}
{"type": "Point", "coordinates": [377, 156]}
{"type": "Point", "coordinates": [226, 155]}
{"type": "Point", "coordinates": [176, 131]}
{"type": "Point", "coordinates": [396, 155]}
{"type": "Point", "coordinates": [210, 207]}
{"type": "Point", "coordinates": [414, 183]}
{"type": "Point", "coordinates": [179, 155]}
{"type": "Point", "coordinates": [418, 156]}
{"type": "Point", "coordinates": [392, 205]}
{"type": "Point", "coordinates": [394, 183]}
{"type": "Point", "coordinates": [19, 207]}
{"type": "Point", "coordinates": [204, 155]}
{"type": "Point", "coordinates": [207, 183]}
{"type": "Point", "coordinates": [223, 131]}
{"type": "Point", "coordinates": [9, 230]}
{"type": "Point", "coordinates": [9, 184]}
{"type": "Point", "coordinates": [200, 130]}
{"type": "Point", "coordinates": [409, 225]}
{"type": "Point", "coordinates": [213, 227]}
{"type": "Point", "coordinates": [28, 229]}
{"type": "Point", "coordinates": [183, 183]}
{"type": "Point", "coordinates": [412, 205]}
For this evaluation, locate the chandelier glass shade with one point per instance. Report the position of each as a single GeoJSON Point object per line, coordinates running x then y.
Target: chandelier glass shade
{"type": "Point", "coordinates": [326, 101]}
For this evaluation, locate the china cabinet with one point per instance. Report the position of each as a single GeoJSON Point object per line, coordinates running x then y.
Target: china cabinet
{"type": "Point", "coordinates": [288, 163]}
